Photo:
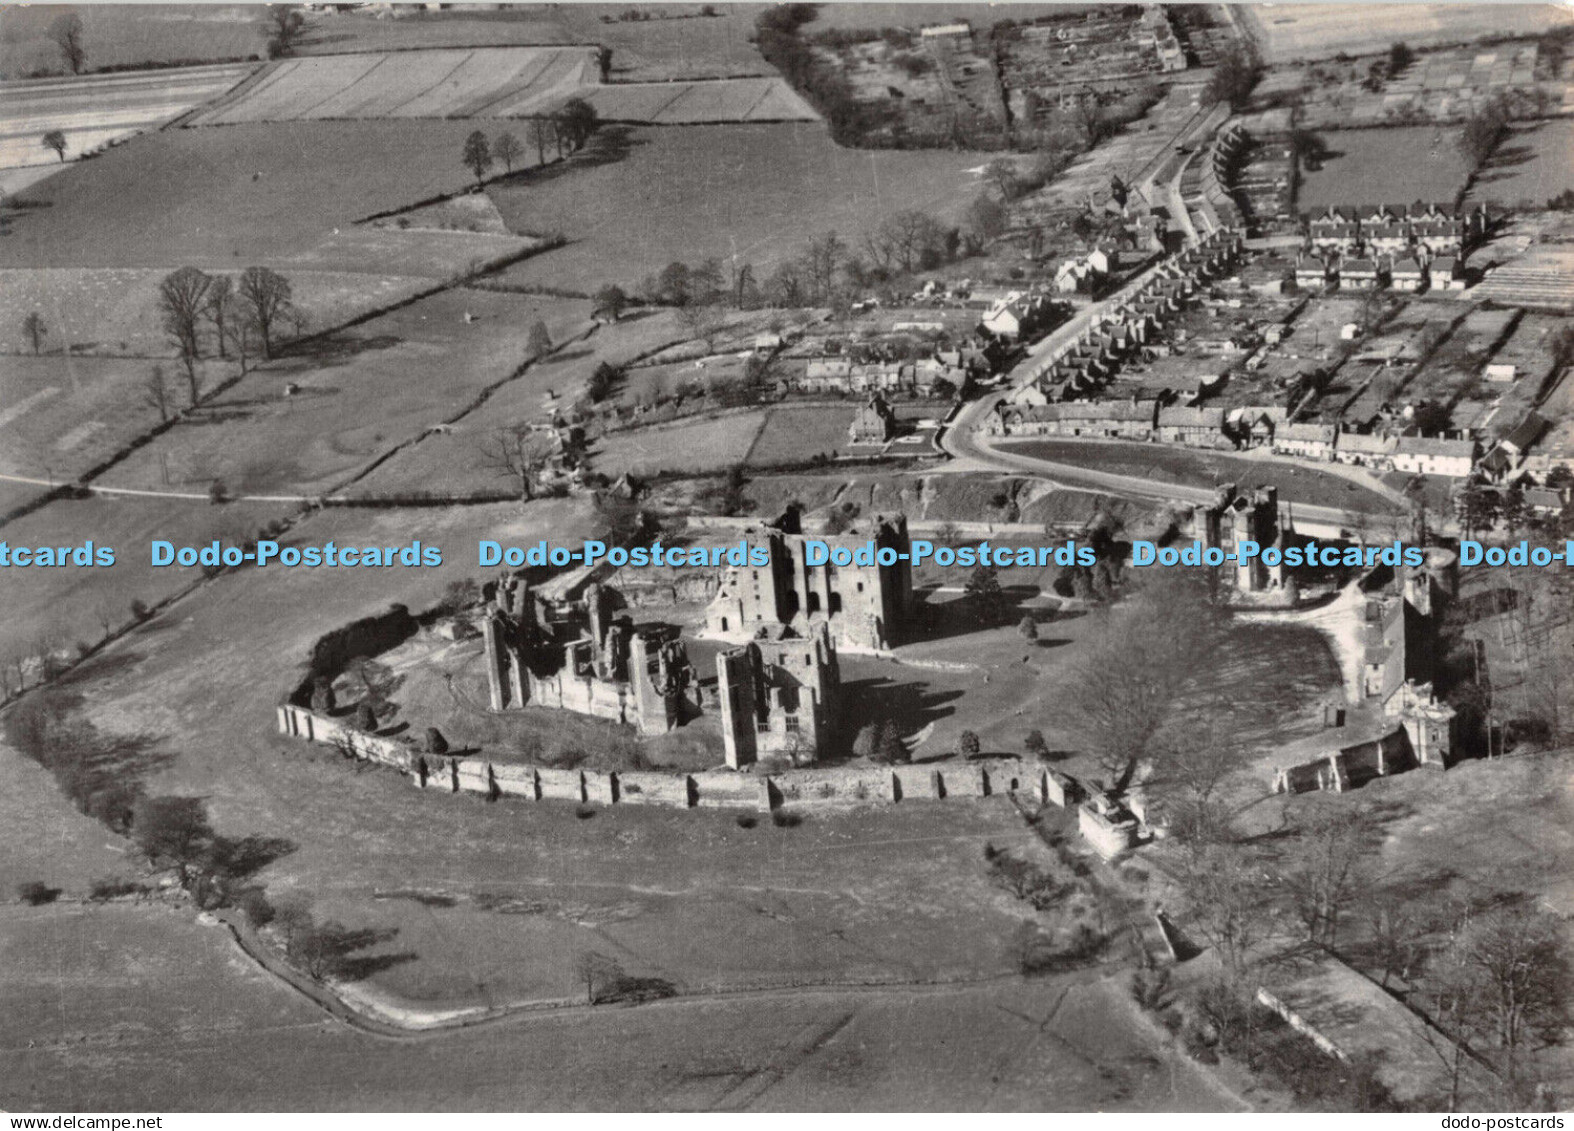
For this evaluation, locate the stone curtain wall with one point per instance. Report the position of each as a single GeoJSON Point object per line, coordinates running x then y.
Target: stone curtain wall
{"type": "Point", "coordinates": [713, 789]}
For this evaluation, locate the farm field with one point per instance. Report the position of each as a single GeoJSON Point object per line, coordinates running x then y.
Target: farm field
{"type": "Point", "coordinates": [794, 435]}
{"type": "Point", "coordinates": [756, 193]}
{"type": "Point", "coordinates": [451, 461]}
{"type": "Point", "coordinates": [713, 101]}
{"type": "Point", "coordinates": [96, 110]}
{"type": "Point", "coordinates": [419, 365]}
{"type": "Point", "coordinates": [64, 415]}
{"type": "Point", "coordinates": [1389, 165]}
{"type": "Point", "coordinates": [113, 311]}
{"type": "Point", "coordinates": [237, 195]}
{"type": "Point", "coordinates": [72, 604]}
{"type": "Point", "coordinates": [692, 446]}
{"type": "Point", "coordinates": [1531, 166]}
{"type": "Point", "coordinates": [1319, 31]}
{"type": "Point", "coordinates": [493, 82]}
{"type": "Point", "coordinates": [461, 83]}
{"type": "Point", "coordinates": [881, 1050]}
{"type": "Point", "coordinates": [117, 35]}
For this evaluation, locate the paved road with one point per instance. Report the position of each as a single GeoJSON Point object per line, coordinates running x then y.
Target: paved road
{"type": "Point", "coordinates": [972, 450]}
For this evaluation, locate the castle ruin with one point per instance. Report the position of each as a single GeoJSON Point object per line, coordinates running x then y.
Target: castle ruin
{"type": "Point", "coordinates": [782, 707]}
{"type": "Point", "coordinates": [863, 605]}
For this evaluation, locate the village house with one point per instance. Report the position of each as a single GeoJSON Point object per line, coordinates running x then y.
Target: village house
{"type": "Point", "coordinates": [1309, 440]}
{"type": "Point", "coordinates": [1197, 427]}
{"type": "Point", "coordinates": [1363, 274]}
{"type": "Point", "coordinates": [1409, 275]}
{"type": "Point", "coordinates": [1115, 419]}
{"type": "Point", "coordinates": [1383, 232]}
{"type": "Point", "coordinates": [1316, 272]}
{"type": "Point", "coordinates": [873, 423]}
{"type": "Point", "coordinates": [1426, 455]}
{"type": "Point", "coordinates": [1447, 273]}
{"type": "Point", "coordinates": [1363, 450]}
{"type": "Point", "coordinates": [1334, 231]}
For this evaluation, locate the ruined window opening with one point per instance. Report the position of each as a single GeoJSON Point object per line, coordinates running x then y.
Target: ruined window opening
{"type": "Point", "coordinates": [791, 722]}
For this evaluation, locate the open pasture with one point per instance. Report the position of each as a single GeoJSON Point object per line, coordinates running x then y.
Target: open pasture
{"type": "Point", "coordinates": [233, 196]}
{"type": "Point", "coordinates": [118, 35]}
{"type": "Point", "coordinates": [65, 414]}
{"type": "Point", "coordinates": [1389, 165]}
{"type": "Point", "coordinates": [1531, 166]}
{"type": "Point", "coordinates": [1286, 33]}
{"type": "Point", "coordinates": [796, 435]}
{"type": "Point", "coordinates": [62, 606]}
{"type": "Point", "coordinates": [113, 312]}
{"type": "Point", "coordinates": [418, 365]}
{"type": "Point", "coordinates": [706, 444]}
{"type": "Point", "coordinates": [95, 110]}
{"type": "Point", "coordinates": [749, 194]}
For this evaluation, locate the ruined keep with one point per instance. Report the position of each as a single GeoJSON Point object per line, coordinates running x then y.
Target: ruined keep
{"type": "Point", "coordinates": [580, 655]}
{"type": "Point", "coordinates": [863, 605]}
{"type": "Point", "coordinates": [779, 700]}
{"type": "Point", "coordinates": [1243, 516]}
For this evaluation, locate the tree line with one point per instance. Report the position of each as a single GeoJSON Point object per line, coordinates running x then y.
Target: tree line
{"type": "Point", "coordinates": [566, 131]}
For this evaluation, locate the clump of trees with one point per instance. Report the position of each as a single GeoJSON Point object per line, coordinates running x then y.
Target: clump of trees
{"type": "Point", "coordinates": [243, 316]}
{"type": "Point", "coordinates": [1235, 75]}
{"type": "Point", "coordinates": [1482, 133]}
{"type": "Point", "coordinates": [283, 26]}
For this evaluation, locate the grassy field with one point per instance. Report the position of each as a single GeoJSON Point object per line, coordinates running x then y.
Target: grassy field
{"type": "Point", "coordinates": [232, 195]}
{"type": "Point", "coordinates": [756, 193]}
{"type": "Point", "coordinates": [1324, 30]}
{"type": "Point", "coordinates": [793, 435]}
{"type": "Point", "coordinates": [66, 414]}
{"type": "Point", "coordinates": [392, 362]}
{"type": "Point", "coordinates": [96, 111]}
{"type": "Point", "coordinates": [1531, 165]}
{"type": "Point", "coordinates": [450, 460]}
{"type": "Point", "coordinates": [1390, 165]}
{"type": "Point", "coordinates": [698, 445]}
{"type": "Point", "coordinates": [118, 35]}
{"type": "Point", "coordinates": [1044, 1044]}
{"type": "Point", "coordinates": [69, 605]}
{"type": "Point", "coordinates": [113, 311]}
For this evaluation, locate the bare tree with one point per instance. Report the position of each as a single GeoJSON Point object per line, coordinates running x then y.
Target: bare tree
{"type": "Point", "coordinates": [1325, 874]}
{"type": "Point", "coordinates": [910, 233]}
{"type": "Point", "coordinates": [821, 260]}
{"type": "Point", "coordinates": [539, 342]}
{"type": "Point", "coordinates": [1002, 174]}
{"type": "Point", "coordinates": [542, 134]}
{"type": "Point", "coordinates": [600, 974]}
{"type": "Point", "coordinates": [36, 330]}
{"type": "Point", "coordinates": [220, 302]}
{"type": "Point", "coordinates": [156, 393]}
{"type": "Point", "coordinates": [1124, 689]}
{"type": "Point", "coordinates": [269, 303]}
{"type": "Point", "coordinates": [477, 155]}
{"type": "Point", "coordinates": [506, 148]}
{"type": "Point", "coordinates": [66, 31]}
{"type": "Point", "coordinates": [1228, 900]}
{"type": "Point", "coordinates": [56, 140]}
{"type": "Point", "coordinates": [519, 453]}
{"type": "Point", "coordinates": [182, 299]}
